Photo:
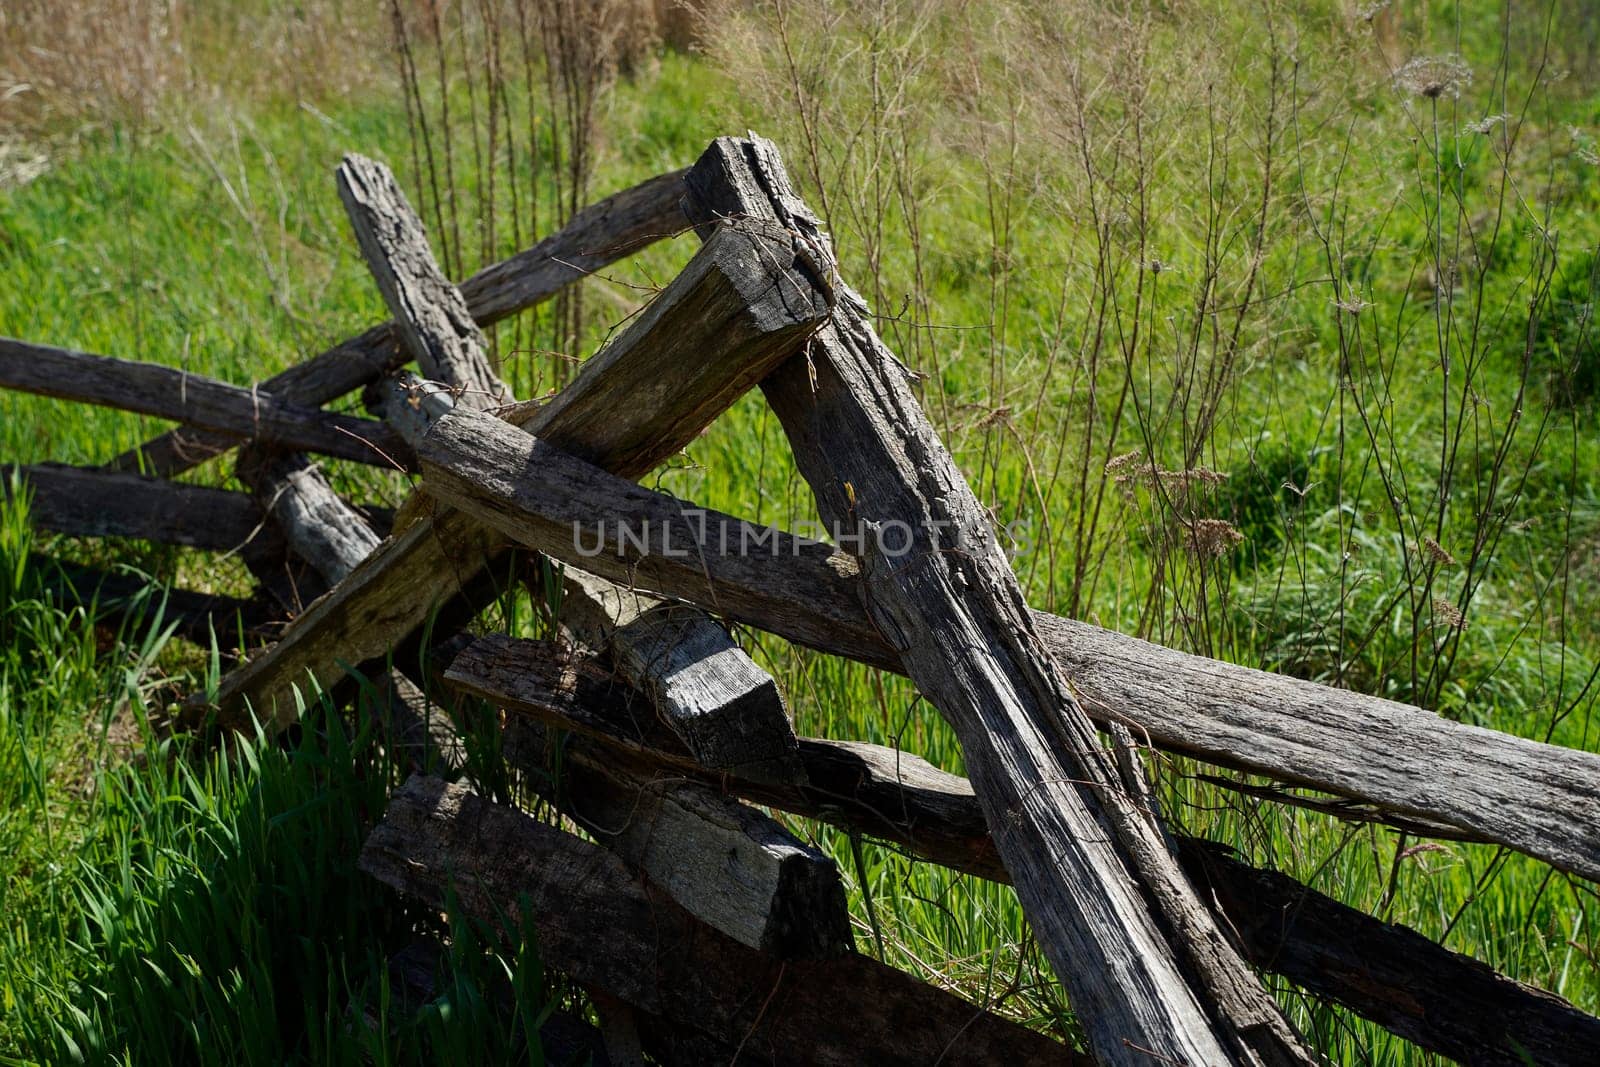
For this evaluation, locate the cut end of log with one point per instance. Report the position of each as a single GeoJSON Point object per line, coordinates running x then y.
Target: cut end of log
{"type": "Point", "coordinates": [727, 711]}
{"type": "Point", "coordinates": [727, 864]}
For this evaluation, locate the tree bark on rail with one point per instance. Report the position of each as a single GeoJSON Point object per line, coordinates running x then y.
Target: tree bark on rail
{"type": "Point", "coordinates": [319, 527]}
{"type": "Point", "coordinates": [430, 315]}
{"type": "Point", "coordinates": [599, 234]}
{"type": "Point", "coordinates": [1147, 969]}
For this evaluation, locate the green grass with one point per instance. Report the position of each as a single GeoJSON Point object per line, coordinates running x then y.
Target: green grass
{"type": "Point", "coordinates": [188, 905]}
{"type": "Point", "coordinates": [169, 903]}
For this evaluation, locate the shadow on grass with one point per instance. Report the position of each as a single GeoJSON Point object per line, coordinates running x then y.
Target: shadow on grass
{"type": "Point", "coordinates": [221, 919]}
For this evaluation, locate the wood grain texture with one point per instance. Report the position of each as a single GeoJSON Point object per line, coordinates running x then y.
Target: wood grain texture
{"type": "Point", "coordinates": [632, 406]}
{"type": "Point", "coordinates": [600, 234]}
{"type": "Point", "coordinates": [1536, 798]}
{"type": "Point", "coordinates": [169, 393]}
{"type": "Point", "coordinates": [319, 527]}
{"type": "Point", "coordinates": [1440, 1000]}
{"type": "Point", "coordinates": [739, 307]}
{"type": "Point", "coordinates": [729, 865]}
{"type": "Point", "coordinates": [410, 404]}
{"type": "Point", "coordinates": [86, 502]}
{"type": "Point", "coordinates": [431, 316]}
{"type": "Point", "coordinates": [725, 708]}
{"type": "Point", "coordinates": [607, 929]}
{"type": "Point", "coordinates": [391, 594]}
{"type": "Point", "coordinates": [1147, 969]}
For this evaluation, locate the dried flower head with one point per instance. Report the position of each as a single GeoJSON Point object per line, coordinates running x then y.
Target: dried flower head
{"type": "Point", "coordinates": [1486, 124]}
{"type": "Point", "coordinates": [1424, 847]}
{"type": "Point", "coordinates": [1434, 76]}
{"type": "Point", "coordinates": [995, 417]}
{"type": "Point", "coordinates": [1437, 552]}
{"type": "Point", "coordinates": [1212, 538]}
{"type": "Point", "coordinates": [1584, 146]}
{"type": "Point", "coordinates": [1127, 459]}
{"type": "Point", "coordinates": [1448, 613]}
{"type": "Point", "coordinates": [1131, 470]}
{"type": "Point", "coordinates": [1194, 476]}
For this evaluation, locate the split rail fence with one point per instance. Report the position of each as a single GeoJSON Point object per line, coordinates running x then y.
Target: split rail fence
{"type": "Point", "coordinates": [702, 928]}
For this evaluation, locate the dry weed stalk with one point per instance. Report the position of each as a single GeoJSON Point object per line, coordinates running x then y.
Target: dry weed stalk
{"type": "Point", "coordinates": [504, 99]}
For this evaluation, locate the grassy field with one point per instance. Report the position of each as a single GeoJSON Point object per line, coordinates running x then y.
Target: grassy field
{"type": "Point", "coordinates": [1265, 331]}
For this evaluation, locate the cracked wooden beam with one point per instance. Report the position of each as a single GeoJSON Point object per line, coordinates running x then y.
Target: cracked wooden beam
{"type": "Point", "coordinates": [724, 707]}
{"type": "Point", "coordinates": [430, 315]}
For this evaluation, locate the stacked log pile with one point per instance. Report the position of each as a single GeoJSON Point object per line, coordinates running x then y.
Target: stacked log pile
{"type": "Point", "coordinates": [702, 927]}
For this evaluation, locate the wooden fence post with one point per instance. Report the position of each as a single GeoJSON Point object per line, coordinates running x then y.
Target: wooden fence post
{"type": "Point", "coordinates": [708, 688]}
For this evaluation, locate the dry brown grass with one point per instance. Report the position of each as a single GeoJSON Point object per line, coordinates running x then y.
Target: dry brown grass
{"type": "Point", "coordinates": [505, 103]}
{"type": "Point", "coordinates": [65, 63]}
{"type": "Point", "coordinates": [68, 62]}
{"type": "Point", "coordinates": [106, 58]}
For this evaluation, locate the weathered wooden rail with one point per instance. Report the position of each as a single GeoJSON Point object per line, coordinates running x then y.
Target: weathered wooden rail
{"type": "Point", "coordinates": [169, 393]}
{"type": "Point", "coordinates": [653, 730]}
{"type": "Point", "coordinates": [1442, 1000]}
{"type": "Point", "coordinates": [601, 923]}
{"type": "Point", "coordinates": [1404, 764]}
